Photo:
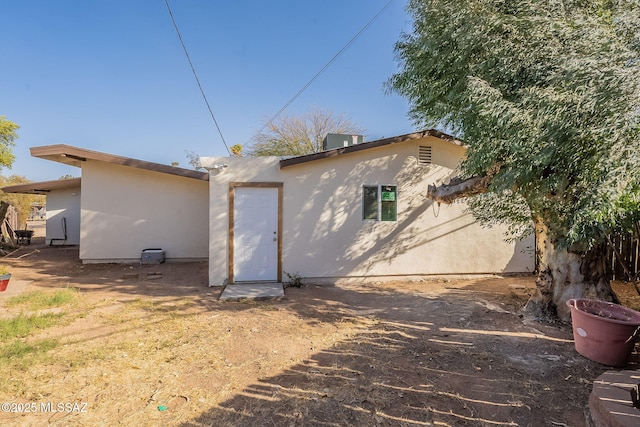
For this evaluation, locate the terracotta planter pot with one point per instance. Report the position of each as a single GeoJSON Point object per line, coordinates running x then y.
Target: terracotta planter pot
{"type": "Point", "coordinates": [604, 332]}
{"type": "Point", "coordinates": [4, 281]}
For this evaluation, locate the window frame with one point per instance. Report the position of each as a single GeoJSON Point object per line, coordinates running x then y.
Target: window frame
{"type": "Point", "coordinates": [366, 201]}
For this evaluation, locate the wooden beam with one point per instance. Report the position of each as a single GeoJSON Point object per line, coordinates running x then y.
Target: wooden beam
{"type": "Point", "coordinates": [458, 188]}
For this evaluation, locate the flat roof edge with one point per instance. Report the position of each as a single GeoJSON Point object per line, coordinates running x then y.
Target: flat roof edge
{"type": "Point", "coordinates": [292, 161]}
{"type": "Point", "coordinates": [74, 156]}
{"type": "Point", "coordinates": [42, 187]}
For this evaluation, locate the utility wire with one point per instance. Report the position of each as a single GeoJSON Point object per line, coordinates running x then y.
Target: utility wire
{"type": "Point", "coordinates": [196, 76]}
{"type": "Point", "coordinates": [327, 65]}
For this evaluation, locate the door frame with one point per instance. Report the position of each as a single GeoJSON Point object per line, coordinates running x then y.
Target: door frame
{"type": "Point", "coordinates": [232, 188]}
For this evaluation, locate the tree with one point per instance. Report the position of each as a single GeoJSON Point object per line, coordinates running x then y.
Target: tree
{"type": "Point", "coordinates": [194, 159]}
{"type": "Point", "coordinates": [299, 135]}
{"type": "Point", "coordinates": [236, 150]}
{"type": "Point", "coordinates": [546, 96]}
{"type": "Point", "coordinates": [22, 202]}
{"type": "Point", "coordinates": [8, 135]}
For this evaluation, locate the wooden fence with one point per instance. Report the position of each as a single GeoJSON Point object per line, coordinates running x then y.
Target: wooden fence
{"type": "Point", "coordinates": [627, 252]}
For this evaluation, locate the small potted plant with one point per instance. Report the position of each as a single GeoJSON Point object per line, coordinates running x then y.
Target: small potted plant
{"type": "Point", "coordinates": [5, 275]}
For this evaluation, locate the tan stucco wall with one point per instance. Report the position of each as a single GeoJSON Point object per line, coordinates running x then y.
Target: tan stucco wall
{"type": "Point", "coordinates": [63, 203]}
{"type": "Point", "coordinates": [324, 235]}
{"type": "Point", "coordinates": [126, 210]}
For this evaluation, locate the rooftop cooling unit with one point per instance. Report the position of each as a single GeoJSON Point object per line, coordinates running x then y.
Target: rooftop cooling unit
{"type": "Point", "coordinates": [337, 140]}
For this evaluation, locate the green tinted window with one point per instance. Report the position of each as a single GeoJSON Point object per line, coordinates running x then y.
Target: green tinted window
{"type": "Point", "coordinates": [379, 202]}
{"type": "Point", "coordinates": [370, 202]}
{"type": "Point", "coordinates": [388, 204]}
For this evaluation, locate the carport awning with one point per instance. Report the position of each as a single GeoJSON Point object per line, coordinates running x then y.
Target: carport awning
{"type": "Point", "coordinates": [75, 156]}
{"type": "Point", "coordinates": [42, 187]}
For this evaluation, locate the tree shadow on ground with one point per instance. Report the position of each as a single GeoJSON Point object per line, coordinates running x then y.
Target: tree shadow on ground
{"type": "Point", "coordinates": [428, 361]}
{"type": "Point", "coordinates": [459, 356]}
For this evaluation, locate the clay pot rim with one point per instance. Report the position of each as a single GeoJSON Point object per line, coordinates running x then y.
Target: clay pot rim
{"type": "Point", "coordinates": [634, 316]}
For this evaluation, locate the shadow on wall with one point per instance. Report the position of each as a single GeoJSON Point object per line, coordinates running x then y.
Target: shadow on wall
{"type": "Point", "coordinates": [336, 214]}
{"type": "Point", "coordinates": [524, 246]}
{"type": "Point", "coordinates": [339, 230]}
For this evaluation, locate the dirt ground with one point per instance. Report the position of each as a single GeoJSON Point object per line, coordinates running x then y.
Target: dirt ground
{"type": "Point", "coordinates": [151, 345]}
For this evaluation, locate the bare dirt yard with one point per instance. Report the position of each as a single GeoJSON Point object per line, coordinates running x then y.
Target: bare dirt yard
{"type": "Point", "coordinates": [150, 345]}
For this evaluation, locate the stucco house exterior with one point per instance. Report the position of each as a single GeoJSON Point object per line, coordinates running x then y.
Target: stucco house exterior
{"type": "Point", "coordinates": [63, 208]}
{"type": "Point", "coordinates": [350, 213]}
{"type": "Point", "coordinates": [121, 206]}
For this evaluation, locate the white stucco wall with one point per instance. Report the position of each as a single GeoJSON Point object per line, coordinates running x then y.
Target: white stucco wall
{"type": "Point", "coordinates": [63, 205]}
{"type": "Point", "coordinates": [325, 237]}
{"type": "Point", "coordinates": [126, 210]}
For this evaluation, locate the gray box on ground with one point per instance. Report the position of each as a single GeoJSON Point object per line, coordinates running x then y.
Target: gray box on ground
{"type": "Point", "coordinates": [152, 256]}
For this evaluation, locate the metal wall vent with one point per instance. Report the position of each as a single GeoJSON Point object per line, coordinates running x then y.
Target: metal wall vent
{"type": "Point", "coordinates": [424, 155]}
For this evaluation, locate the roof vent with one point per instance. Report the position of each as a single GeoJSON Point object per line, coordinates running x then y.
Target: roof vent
{"type": "Point", "coordinates": [424, 155]}
{"type": "Point", "coordinates": [338, 140]}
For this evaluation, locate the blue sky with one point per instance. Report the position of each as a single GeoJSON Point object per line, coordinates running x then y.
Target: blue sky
{"type": "Point", "coordinates": [112, 76]}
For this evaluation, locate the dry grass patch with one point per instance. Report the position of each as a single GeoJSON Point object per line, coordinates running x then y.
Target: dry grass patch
{"type": "Point", "coordinates": [169, 353]}
{"type": "Point", "coordinates": [39, 300]}
{"type": "Point", "coordinates": [21, 348]}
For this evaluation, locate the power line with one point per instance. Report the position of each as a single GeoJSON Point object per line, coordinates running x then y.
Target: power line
{"type": "Point", "coordinates": [196, 76]}
{"type": "Point", "coordinates": [327, 65]}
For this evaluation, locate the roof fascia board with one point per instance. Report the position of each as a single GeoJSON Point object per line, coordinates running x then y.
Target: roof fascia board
{"type": "Point", "coordinates": [292, 161]}
{"type": "Point", "coordinates": [42, 187]}
{"type": "Point", "coordinates": [70, 155]}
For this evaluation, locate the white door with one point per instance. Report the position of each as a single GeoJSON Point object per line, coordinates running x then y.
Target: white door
{"type": "Point", "coordinates": [255, 234]}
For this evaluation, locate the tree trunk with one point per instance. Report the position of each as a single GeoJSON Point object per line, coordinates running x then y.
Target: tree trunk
{"type": "Point", "coordinates": [565, 273]}
{"type": "Point", "coordinates": [8, 237]}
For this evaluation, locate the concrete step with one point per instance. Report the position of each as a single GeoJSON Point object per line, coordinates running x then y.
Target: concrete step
{"type": "Point", "coordinates": [252, 291]}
